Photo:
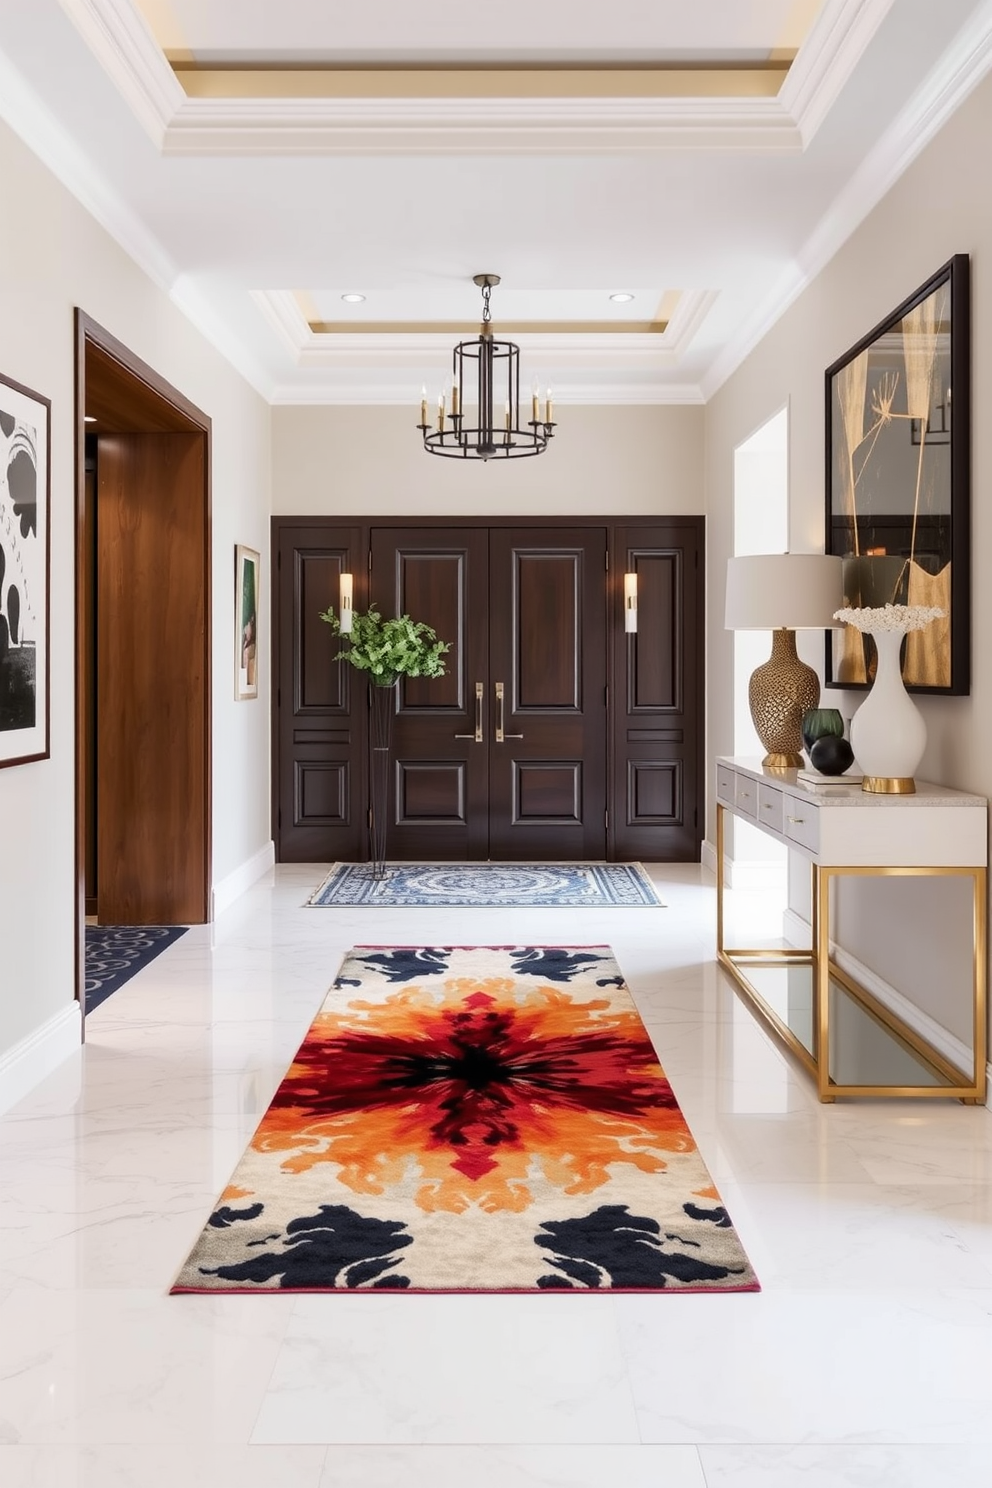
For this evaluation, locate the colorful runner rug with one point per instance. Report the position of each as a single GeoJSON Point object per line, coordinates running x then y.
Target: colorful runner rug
{"type": "Point", "coordinates": [418, 885]}
{"type": "Point", "coordinates": [472, 1119]}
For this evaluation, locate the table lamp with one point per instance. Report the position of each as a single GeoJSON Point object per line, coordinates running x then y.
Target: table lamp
{"type": "Point", "coordinates": [783, 593]}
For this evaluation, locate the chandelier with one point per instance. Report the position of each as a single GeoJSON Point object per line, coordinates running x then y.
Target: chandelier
{"type": "Point", "coordinates": [483, 422]}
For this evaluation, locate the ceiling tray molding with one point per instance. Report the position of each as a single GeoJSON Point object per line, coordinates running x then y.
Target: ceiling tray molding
{"type": "Point", "coordinates": [284, 313]}
{"type": "Point", "coordinates": [357, 395]}
{"type": "Point", "coordinates": [214, 126]}
{"type": "Point", "coordinates": [958, 73]}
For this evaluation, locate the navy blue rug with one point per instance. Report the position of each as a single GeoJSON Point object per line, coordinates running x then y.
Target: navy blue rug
{"type": "Point", "coordinates": [115, 953]}
{"type": "Point", "coordinates": [532, 885]}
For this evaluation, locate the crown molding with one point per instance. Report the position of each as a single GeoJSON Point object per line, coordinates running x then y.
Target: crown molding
{"type": "Point", "coordinates": [958, 73]}
{"type": "Point", "coordinates": [28, 117]}
{"type": "Point", "coordinates": [357, 395]}
{"type": "Point", "coordinates": [180, 124]}
{"type": "Point", "coordinates": [198, 308]}
{"type": "Point", "coordinates": [837, 40]}
{"type": "Point", "coordinates": [124, 44]}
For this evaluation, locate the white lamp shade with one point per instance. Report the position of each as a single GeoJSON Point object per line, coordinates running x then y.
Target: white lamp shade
{"type": "Point", "coordinates": [776, 591]}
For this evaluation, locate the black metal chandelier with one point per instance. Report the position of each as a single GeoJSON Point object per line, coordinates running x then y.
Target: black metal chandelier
{"type": "Point", "coordinates": [488, 371]}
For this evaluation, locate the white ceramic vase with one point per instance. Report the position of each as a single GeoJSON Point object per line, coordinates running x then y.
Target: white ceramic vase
{"type": "Point", "coordinates": [888, 734]}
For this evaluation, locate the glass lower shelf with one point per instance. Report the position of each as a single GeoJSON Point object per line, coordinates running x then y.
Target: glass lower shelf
{"type": "Point", "coordinates": [867, 1046]}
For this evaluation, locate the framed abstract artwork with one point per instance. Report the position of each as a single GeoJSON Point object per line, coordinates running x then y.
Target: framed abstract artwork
{"type": "Point", "coordinates": [898, 482]}
{"type": "Point", "coordinates": [246, 562]}
{"type": "Point", "coordinates": [25, 488]}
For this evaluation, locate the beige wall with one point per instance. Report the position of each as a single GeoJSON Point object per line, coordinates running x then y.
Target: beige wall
{"type": "Point", "coordinates": [354, 460]}
{"type": "Point", "coordinates": [937, 208]}
{"type": "Point", "coordinates": [54, 256]}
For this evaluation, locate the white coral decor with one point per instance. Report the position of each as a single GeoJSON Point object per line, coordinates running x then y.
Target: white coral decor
{"type": "Point", "coordinates": [901, 618]}
{"type": "Point", "coordinates": [888, 733]}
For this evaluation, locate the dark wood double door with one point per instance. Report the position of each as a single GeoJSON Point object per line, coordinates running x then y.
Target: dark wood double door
{"type": "Point", "coordinates": [505, 756]}
{"type": "Point", "coordinates": [515, 753]}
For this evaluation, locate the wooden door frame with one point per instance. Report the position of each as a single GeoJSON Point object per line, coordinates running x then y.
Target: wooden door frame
{"type": "Point", "coordinates": [156, 402]}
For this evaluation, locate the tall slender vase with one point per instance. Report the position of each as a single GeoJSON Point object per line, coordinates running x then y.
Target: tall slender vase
{"type": "Point", "coordinates": [382, 707]}
{"type": "Point", "coordinates": [888, 733]}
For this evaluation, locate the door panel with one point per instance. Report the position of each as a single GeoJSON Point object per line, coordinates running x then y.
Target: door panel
{"type": "Point", "coordinates": [438, 787]}
{"type": "Point", "coordinates": [151, 717]}
{"type": "Point", "coordinates": [547, 782]}
{"type": "Point", "coordinates": [321, 708]}
{"type": "Point", "coordinates": [656, 724]}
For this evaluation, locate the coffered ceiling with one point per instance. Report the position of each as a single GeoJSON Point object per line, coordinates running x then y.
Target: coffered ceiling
{"type": "Point", "coordinates": [266, 160]}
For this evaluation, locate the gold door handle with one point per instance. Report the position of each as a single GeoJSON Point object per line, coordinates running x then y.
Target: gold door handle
{"type": "Point", "coordinates": [501, 733]}
{"type": "Point", "coordinates": [477, 736]}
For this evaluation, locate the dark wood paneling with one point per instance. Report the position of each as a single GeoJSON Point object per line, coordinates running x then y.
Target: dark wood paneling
{"type": "Point", "coordinates": [654, 675]}
{"type": "Point", "coordinates": [528, 602]}
{"type": "Point", "coordinates": [548, 647]}
{"type": "Point", "coordinates": [430, 793]}
{"type": "Point", "coordinates": [152, 791]}
{"type": "Point", "coordinates": [656, 779]}
{"type": "Point", "coordinates": [322, 792]}
{"type": "Point", "coordinates": [320, 781]}
{"type": "Point", "coordinates": [547, 651]}
{"type": "Point", "coordinates": [438, 791]}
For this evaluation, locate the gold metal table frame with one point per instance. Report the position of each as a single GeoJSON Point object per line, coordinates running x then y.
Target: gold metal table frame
{"type": "Point", "coordinates": [970, 1090]}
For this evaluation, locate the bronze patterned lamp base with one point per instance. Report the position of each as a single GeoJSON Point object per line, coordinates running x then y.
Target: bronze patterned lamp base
{"type": "Point", "coordinates": [780, 691]}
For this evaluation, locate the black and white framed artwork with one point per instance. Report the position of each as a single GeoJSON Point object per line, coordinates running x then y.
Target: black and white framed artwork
{"type": "Point", "coordinates": [25, 444]}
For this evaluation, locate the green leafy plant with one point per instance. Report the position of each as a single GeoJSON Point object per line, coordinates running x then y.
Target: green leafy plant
{"type": "Point", "coordinates": [389, 649]}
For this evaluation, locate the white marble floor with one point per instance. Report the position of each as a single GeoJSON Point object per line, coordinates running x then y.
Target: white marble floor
{"type": "Point", "coordinates": [866, 1359]}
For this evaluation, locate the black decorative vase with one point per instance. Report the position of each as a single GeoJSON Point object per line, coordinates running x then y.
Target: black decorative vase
{"type": "Point", "coordinates": [831, 755]}
{"type": "Point", "coordinates": [382, 708]}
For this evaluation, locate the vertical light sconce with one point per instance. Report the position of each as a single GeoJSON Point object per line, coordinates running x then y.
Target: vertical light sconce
{"type": "Point", "coordinates": [630, 603]}
{"type": "Point", "coordinates": [345, 603]}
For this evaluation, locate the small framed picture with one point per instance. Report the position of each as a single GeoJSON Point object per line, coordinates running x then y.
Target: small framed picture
{"type": "Point", "coordinates": [24, 558]}
{"type": "Point", "coordinates": [246, 562]}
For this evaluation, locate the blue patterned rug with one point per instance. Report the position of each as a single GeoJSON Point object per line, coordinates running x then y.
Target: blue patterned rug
{"type": "Point", "coordinates": [534, 885]}
{"type": "Point", "coordinates": [115, 953]}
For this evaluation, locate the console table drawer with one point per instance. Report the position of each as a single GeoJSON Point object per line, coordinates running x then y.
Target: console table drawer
{"type": "Point", "coordinates": [802, 824]}
{"type": "Point", "coordinates": [746, 796]}
{"type": "Point", "coordinates": [771, 807]}
{"type": "Point", "coordinates": [725, 781]}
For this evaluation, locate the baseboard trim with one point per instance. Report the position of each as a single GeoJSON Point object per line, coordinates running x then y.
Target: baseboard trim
{"type": "Point", "coordinates": [34, 1058]}
{"type": "Point", "coordinates": [235, 884]}
{"type": "Point", "coordinates": [752, 875]}
{"type": "Point", "coordinates": [797, 932]}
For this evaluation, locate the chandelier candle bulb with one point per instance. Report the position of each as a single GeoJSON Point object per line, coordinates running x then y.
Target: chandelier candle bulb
{"type": "Point", "coordinates": [549, 409]}
{"type": "Point", "coordinates": [535, 406]}
{"type": "Point", "coordinates": [423, 407]}
{"type": "Point", "coordinates": [440, 411]}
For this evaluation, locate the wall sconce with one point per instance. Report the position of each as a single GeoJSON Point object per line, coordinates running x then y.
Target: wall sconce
{"type": "Point", "coordinates": [630, 603]}
{"type": "Point", "coordinates": [345, 600]}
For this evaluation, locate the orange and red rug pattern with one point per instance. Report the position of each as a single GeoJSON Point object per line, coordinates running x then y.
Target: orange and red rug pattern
{"type": "Point", "coordinates": [472, 1119]}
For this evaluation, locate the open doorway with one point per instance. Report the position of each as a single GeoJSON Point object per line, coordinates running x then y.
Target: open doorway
{"type": "Point", "coordinates": [143, 643]}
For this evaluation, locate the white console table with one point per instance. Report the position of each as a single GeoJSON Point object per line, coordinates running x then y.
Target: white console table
{"type": "Point", "coordinates": [809, 1003]}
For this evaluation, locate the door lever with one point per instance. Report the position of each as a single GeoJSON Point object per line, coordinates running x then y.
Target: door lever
{"type": "Point", "coordinates": [477, 736]}
{"type": "Point", "coordinates": [501, 734]}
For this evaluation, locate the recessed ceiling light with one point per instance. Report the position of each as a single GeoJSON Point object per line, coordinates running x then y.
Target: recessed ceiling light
{"type": "Point", "coordinates": [621, 299]}
{"type": "Point", "coordinates": [353, 299]}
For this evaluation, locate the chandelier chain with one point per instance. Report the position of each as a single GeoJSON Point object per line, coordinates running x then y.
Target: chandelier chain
{"type": "Point", "coordinates": [487, 314]}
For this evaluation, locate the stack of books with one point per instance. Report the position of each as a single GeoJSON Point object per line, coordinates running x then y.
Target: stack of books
{"type": "Point", "coordinates": [817, 778]}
